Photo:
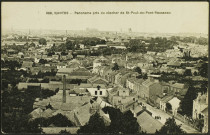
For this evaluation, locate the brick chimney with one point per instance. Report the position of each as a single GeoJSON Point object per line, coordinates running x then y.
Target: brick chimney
{"type": "Point", "coordinates": [64, 89]}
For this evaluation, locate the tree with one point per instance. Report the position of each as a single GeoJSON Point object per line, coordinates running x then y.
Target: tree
{"type": "Point", "coordinates": [69, 45]}
{"type": "Point", "coordinates": [186, 103]}
{"type": "Point", "coordinates": [42, 61]}
{"type": "Point", "coordinates": [42, 41]}
{"type": "Point", "coordinates": [130, 123]}
{"type": "Point", "coordinates": [187, 72]}
{"type": "Point", "coordinates": [170, 127]}
{"type": "Point", "coordinates": [203, 70]}
{"type": "Point", "coordinates": [136, 46]}
{"type": "Point", "coordinates": [138, 70]}
{"type": "Point", "coordinates": [145, 76]}
{"type": "Point", "coordinates": [124, 123]}
{"type": "Point", "coordinates": [60, 120]}
{"type": "Point", "coordinates": [11, 64]}
{"type": "Point", "coordinates": [195, 73]}
{"type": "Point", "coordinates": [115, 67]}
{"type": "Point", "coordinates": [95, 125]}
{"type": "Point", "coordinates": [32, 45]}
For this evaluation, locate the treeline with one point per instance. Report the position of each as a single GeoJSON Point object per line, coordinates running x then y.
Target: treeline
{"type": "Point", "coordinates": [18, 48]}
{"type": "Point", "coordinates": [73, 43]}
{"type": "Point", "coordinates": [191, 39]}
{"type": "Point", "coordinates": [92, 41]}
{"type": "Point", "coordinates": [158, 44]}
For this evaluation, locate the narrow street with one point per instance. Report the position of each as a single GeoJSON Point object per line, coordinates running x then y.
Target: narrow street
{"type": "Point", "coordinates": [164, 116]}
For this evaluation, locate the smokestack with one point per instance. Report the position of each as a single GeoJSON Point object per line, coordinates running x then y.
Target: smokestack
{"type": "Point", "coordinates": [64, 89]}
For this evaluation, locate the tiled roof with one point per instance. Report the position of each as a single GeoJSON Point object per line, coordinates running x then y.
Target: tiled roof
{"type": "Point", "coordinates": [47, 113]}
{"type": "Point", "coordinates": [148, 123]}
{"type": "Point", "coordinates": [165, 99]}
{"type": "Point", "coordinates": [83, 114]}
{"type": "Point", "coordinates": [147, 82]}
{"type": "Point", "coordinates": [102, 103]}
{"type": "Point", "coordinates": [174, 63]}
{"type": "Point", "coordinates": [205, 111]}
{"type": "Point", "coordinates": [96, 79]}
{"type": "Point", "coordinates": [68, 106]}
{"type": "Point", "coordinates": [138, 109]}
{"type": "Point", "coordinates": [178, 85]}
{"type": "Point", "coordinates": [27, 64]}
{"type": "Point", "coordinates": [81, 72]}
{"type": "Point", "coordinates": [36, 113]}
{"type": "Point", "coordinates": [65, 70]}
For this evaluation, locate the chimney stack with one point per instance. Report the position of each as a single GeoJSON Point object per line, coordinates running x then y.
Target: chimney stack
{"type": "Point", "coordinates": [64, 89]}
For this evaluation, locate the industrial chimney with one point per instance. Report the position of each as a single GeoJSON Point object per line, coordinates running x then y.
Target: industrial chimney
{"type": "Point", "coordinates": [64, 89]}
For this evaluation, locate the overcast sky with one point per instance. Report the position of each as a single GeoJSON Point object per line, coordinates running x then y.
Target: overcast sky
{"type": "Point", "coordinates": [185, 17]}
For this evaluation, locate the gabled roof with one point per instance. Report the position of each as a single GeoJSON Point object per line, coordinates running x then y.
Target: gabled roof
{"type": "Point", "coordinates": [68, 106]}
{"type": "Point", "coordinates": [47, 113]}
{"type": "Point", "coordinates": [165, 99]}
{"type": "Point", "coordinates": [83, 114]}
{"type": "Point", "coordinates": [175, 102]}
{"type": "Point", "coordinates": [65, 70]}
{"type": "Point", "coordinates": [137, 109]}
{"type": "Point", "coordinates": [178, 85]}
{"type": "Point", "coordinates": [10, 50]}
{"type": "Point", "coordinates": [97, 79]}
{"type": "Point", "coordinates": [174, 63]}
{"type": "Point", "coordinates": [147, 83]}
{"type": "Point", "coordinates": [36, 113]}
{"type": "Point", "coordinates": [102, 103]}
{"type": "Point", "coordinates": [57, 112]}
{"type": "Point", "coordinates": [86, 85]}
{"type": "Point", "coordinates": [81, 72]}
{"type": "Point", "coordinates": [205, 111]}
{"type": "Point", "coordinates": [148, 123]}
{"type": "Point", "coordinates": [115, 90]}
{"type": "Point", "coordinates": [27, 64]}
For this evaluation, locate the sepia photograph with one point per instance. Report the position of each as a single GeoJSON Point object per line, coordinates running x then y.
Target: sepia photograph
{"type": "Point", "coordinates": [104, 67]}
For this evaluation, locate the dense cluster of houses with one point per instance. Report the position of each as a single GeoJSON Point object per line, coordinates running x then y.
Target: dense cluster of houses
{"type": "Point", "coordinates": [98, 85]}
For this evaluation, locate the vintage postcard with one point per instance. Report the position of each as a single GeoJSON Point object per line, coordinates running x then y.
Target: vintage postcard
{"type": "Point", "coordinates": [104, 67]}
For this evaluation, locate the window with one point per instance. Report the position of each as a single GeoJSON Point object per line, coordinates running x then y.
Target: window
{"type": "Point", "coordinates": [100, 92]}
{"type": "Point", "coordinates": [95, 92]}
